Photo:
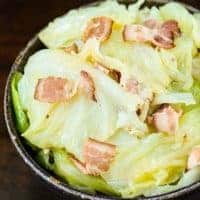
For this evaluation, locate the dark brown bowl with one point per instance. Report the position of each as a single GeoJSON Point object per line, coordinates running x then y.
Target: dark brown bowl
{"type": "Point", "coordinates": [27, 154]}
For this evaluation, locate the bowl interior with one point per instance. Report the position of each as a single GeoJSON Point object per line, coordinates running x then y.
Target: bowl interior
{"type": "Point", "coordinates": [26, 152]}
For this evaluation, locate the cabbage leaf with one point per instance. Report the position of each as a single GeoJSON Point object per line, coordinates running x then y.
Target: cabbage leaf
{"type": "Point", "coordinates": [21, 118]}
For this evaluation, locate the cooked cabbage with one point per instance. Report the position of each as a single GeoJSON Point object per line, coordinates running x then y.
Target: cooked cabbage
{"type": "Point", "coordinates": [133, 84]}
{"type": "Point", "coordinates": [71, 25]}
{"type": "Point", "coordinates": [20, 115]}
{"type": "Point", "coordinates": [174, 98]}
{"type": "Point", "coordinates": [105, 117]}
{"type": "Point", "coordinates": [188, 178]}
{"type": "Point", "coordinates": [157, 160]}
{"type": "Point", "coordinates": [196, 91]}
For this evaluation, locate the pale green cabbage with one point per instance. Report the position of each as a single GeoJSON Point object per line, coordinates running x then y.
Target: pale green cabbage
{"type": "Point", "coordinates": [196, 91]}
{"type": "Point", "coordinates": [183, 53]}
{"type": "Point", "coordinates": [174, 98]}
{"type": "Point", "coordinates": [188, 178]}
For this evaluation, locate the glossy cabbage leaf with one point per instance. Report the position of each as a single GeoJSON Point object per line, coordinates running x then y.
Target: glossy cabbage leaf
{"type": "Point", "coordinates": [156, 160]}
{"type": "Point", "coordinates": [188, 178]}
{"type": "Point", "coordinates": [21, 118]}
{"type": "Point", "coordinates": [148, 69]}
{"type": "Point", "coordinates": [183, 53]}
{"type": "Point", "coordinates": [195, 90]}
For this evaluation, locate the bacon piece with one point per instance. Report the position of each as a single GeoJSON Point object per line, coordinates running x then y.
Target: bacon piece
{"type": "Point", "coordinates": [98, 27]}
{"type": "Point", "coordinates": [162, 42]}
{"type": "Point", "coordinates": [170, 29]}
{"type": "Point", "coordinates": [87, 84]}
{"type": "Point", "coordinates": [54, 89]}
{"type": "Point", "coordinates": [161, 35]}
{"type": "Point", "coordinates": [98, 155]}
{"type": "Point", "coordinates": [137, 33]}
{"type": "Point", "coordinates": [166, 119]}
{"type": "Point", "coordinates": [132, 85]}
{"type": "Point", "coordinates": [194, 158]}
{"type": "Point", "coordinates": [113, 73]}
{"type": "Point", "coordinates": [71, 48]}
{"type": "Point", "coordinates": [166, 34]}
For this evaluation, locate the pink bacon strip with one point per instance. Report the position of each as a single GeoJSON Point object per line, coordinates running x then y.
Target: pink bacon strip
{"type": "Point", "coordinates": [54, 89]}
{"type": "Point", "coordinates": [161, 35]}
{"type": "Point", "coordinates": [166, 119]}
{"type": "Point", "coordinates": [99, 28]}
{"type": "Point", "coordinates": [98, 157]}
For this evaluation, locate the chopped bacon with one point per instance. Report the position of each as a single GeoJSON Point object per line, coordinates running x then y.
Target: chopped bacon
{"type": "Point", "coordinates": [98, 27]}
{"type": "Point", "coordinates": [97, 155]}
{"type": "Point", "coordinates": [131, 85]}
{"type": "Point", "coordinates": [113, 73]}
{"type": "Point", "coordinates": [137, 33]}
{"type": "Point", "coordinates": [166, 34]}
{"type": "Point", "coordinates": [161, 35]}
{"type": "Point", "coordinates": [71, 48]}
{"type": "Point", "coordinates": [166, 119]}
{"type": "Point", "coordinates": [87, 84]}
{"type": "Point", "coordinates": [170, 29]}
{"type": "Point", "coordinates": [194, 158]}
{"type": "Point", "coordinates": [54, 89]}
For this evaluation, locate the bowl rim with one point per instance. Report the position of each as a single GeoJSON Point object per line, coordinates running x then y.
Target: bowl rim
{"type": "Point", "coordinates": [40, 171]}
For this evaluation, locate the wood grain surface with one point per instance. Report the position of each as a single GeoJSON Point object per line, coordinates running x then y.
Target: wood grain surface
{"type": "Point", "coordinates": [19, 21]}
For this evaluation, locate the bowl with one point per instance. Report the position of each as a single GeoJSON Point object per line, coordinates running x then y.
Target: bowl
{"type": "Point", "coordinates": [28, 155]}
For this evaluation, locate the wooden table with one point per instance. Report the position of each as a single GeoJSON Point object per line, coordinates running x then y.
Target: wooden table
{"type": "Point", "coordinates": [19, 21]}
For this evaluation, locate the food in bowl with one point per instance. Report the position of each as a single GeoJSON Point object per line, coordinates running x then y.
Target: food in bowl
{"type": "Point", "coordinates": [113, 102]}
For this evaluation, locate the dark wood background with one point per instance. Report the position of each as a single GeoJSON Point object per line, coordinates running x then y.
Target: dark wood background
{"type": "Point", "coordinates": [19, 21]}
